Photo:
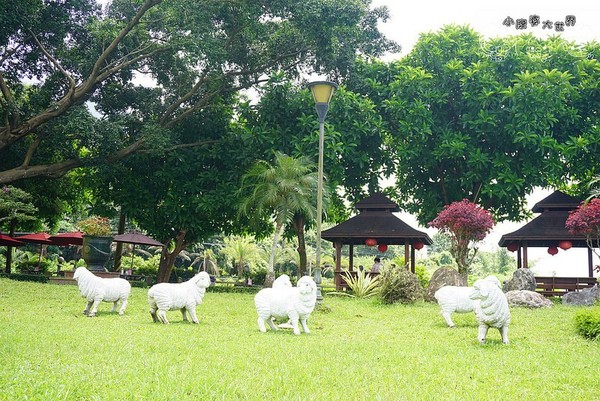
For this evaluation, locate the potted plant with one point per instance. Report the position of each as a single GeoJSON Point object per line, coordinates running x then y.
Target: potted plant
{"type": "Point", "coordinates": [96, 241]}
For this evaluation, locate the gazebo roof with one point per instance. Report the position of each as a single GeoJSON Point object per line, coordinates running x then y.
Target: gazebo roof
{"type": "Point", "coordinates": [556, 201]}
{"type": "Point", "coordinates": [375, 220]}
{"type": "Point", "coordinates": [546, 230]}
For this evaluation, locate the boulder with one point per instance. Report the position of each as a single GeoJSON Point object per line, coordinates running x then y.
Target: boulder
{"type": "Point", "coordinates": [442, 277]}
{"type": "Point", "coordinates": [585, 297]}
{"type": "Point", "coordinates": [527, 299]}
{"type": "Point", "coordinates": [522, 279]}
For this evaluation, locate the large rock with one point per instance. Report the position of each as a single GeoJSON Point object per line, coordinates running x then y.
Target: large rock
{"type": "Point", "coordinates": [585, 297]}
{"type": "Point", "coordinates": [522, 279]}
{"type": "Point", "coordinates": [442, 277]}
{"type": "Point", "coordinates": [527, 299]}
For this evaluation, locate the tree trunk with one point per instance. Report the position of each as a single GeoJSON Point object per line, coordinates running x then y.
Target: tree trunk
{"type": "Point", "coordinates": [9, 250]}
{"type": "Point", "coordinates": [299, 228]}
{"type": "Point", "coordinates": [119, 249]}
{"type": "Point", "coordinates": [271, 268]}
{"type": "Point", "coordinates": [167, 259]}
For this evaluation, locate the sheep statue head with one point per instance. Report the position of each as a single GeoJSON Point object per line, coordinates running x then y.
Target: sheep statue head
{"type": "Point", "coordinates": [491, 309]}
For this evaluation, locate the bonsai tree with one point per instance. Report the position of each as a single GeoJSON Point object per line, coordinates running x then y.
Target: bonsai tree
{"type": "Point", "coordinates": [585, 220]}
{"type": "Point", "coordinates": [95, 226]}
{"type": "Point", "coordinates": [466, 224]}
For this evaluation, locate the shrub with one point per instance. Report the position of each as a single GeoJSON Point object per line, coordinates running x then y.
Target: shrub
{"type": "Point", "coordinates": [587, 323]}
{"type": "Point", "coordinates": [399, 285]}
{"type": "Point", "coordinates": [362, 285]}
{"type": "Point", "coordinates": [466, 224]}
{"type": "Point", "coordinates": [38, 278]}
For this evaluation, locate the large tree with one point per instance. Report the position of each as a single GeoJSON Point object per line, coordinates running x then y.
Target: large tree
{"type": "Point", "coordinates": [193, 52]}
{"type": "Point", "coordinates": [486, 120]}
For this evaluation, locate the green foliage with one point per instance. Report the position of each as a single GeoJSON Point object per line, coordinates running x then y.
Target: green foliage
{"type": "Point", "coordinates": [362, 284]}
{"type": "Point", "coordinates": [587, 323]}
{"type": "Point", "coordinates": [399, 285]}
{"type": "Point", "coordinates": [36, 278]}
{"type": "Point", "coordinates": [16, 208]}
{"type": "Point", "coordinates": [485, 119]}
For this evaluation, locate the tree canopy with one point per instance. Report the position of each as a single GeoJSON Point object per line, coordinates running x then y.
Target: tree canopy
{"type": "Point", "coordinates": [486, 120]}
{"type": "Point", "coordinates": [193, 53]}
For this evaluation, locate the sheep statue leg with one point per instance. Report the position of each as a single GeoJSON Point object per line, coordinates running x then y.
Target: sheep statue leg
{"type": "Point", "coordinates": [123, 306]}
{"type": "Point", "coordinates": [184, 314]}
{"type": "Point", "coordinates": [95, 305]}
{"type": "Point", "coordinates": [261, 325]}
{"type": "Point", "coordinates": [115, 304]}
{"type": "Point", "coordinates": [192, 311]}
{"type": "Point", "coordinates": [162, 316]}
{"type": "Point", "coordinates": [504, 334]}
{"type": "Point", "coordinates": [448, 318]}
{"type": "Point", "coordinates": [153, 309]}
{"type": "Point", "coordinates": [86, 311]}
{"type": "Point", "coordinates": [294, 321]}
{"type": "Point", "coordinates": [483, 329]}
{"type": "Point", "coordinates": [304, 326]}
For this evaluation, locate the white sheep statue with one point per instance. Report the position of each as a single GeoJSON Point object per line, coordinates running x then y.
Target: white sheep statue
{"type": "Point", "coordinates": [97, 289]}
{"type": "Point", "coordinates": [295, 303]}
{"type": "Point", "coordinates": [185, 297]}
{"type": "Point", "coordinates": [282, 281]}
{"type": "Point", "coordinates": [457, 299]}
{"type": "Point", "coordinates": [491, 309]}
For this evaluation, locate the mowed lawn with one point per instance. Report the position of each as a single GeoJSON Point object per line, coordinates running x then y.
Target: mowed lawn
{"type": "Point", "coordinates": [358, 350]}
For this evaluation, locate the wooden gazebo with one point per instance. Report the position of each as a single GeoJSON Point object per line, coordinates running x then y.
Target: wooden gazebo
{"type": "Point", "coordinates": [375, 221]}
{"type": "Point", "coordinates": [548, 230]}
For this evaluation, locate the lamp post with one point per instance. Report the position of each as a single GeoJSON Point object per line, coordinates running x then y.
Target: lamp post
{"type": "Point", "coordinates": [322, 92]}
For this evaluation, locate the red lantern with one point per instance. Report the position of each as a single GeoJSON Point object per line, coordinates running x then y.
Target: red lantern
{"type": "Point", "coordinates": [552, 250]}
{"type": "Point", "coordinates": [513, 246]}
{"type": "Point", "coordinates": [371, 241]}
{"type": "Point", "coordinates": [418, 245]}
{"type": "Point", "coordinates": [382, 248]}
{"type": "Point", "coordinates": [564, 245]}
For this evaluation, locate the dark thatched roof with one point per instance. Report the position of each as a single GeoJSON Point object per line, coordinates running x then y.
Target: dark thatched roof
{"type": "Point", "coordinates": [546, 230]}
{"type": "Point", "coordinates": [377, 221]}
{"type": "Point", "coordinates": [556, 201]}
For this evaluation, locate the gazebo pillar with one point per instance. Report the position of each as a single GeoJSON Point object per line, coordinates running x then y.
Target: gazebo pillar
{"type": "Point", "coordinates": [412, 259]}
{"type": "Point", "coordinates": [351, 257]}
{"type": "Point", "coordinates": [525, 264]}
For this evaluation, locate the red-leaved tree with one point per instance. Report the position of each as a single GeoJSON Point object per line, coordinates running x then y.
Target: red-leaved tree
{"type": "Point", "coordinates": [466, 224]}
{"type": "Point", "coordinates": [585, 220]}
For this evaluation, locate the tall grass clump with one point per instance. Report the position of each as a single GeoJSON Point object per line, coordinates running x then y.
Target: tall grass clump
{"type": "Point", "coordinates": [400, 285]}
{"type": "Point", "coordinates": [362, 285]}
{"type": "Point", "coordinates": [587, 323]}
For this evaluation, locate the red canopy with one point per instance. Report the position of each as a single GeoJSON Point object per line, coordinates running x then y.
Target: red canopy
{"type": "Point", "coordinates": [37, 238]}
{"type": "Point", "coordinates": [70, 238]}
{"type": "Point", "coordinates": [6, 240]}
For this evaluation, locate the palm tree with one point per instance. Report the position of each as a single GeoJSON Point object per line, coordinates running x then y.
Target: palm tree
{"type": "Point", "coordinates": [286, 191]}
{"type": "Point", "coordinates": [241, 250]}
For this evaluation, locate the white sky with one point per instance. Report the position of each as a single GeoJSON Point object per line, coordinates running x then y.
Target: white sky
{"type": "Point", "coordinates": [410, 19]}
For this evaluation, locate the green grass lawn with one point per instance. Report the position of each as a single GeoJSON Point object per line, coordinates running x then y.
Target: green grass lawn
{"type": "Point", "coordinates": [358, 350]}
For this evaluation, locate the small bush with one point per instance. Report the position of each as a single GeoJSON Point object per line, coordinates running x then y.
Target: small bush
{"type": "Point", "coordinates": [39, 278]}
{"type": "Point", "coordinates": [362, 285]}
{"type": "Point", "coordinates": [587, 323]}
{"type": "Point", "coordinates": [399, 285]}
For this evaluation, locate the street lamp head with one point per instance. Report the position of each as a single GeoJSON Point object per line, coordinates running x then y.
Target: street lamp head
{"type": "Point", "coordinates": [322, 92]}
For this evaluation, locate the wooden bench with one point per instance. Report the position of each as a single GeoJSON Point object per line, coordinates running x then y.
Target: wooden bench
{"type": "Point", "coordinates": [559, 286]}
